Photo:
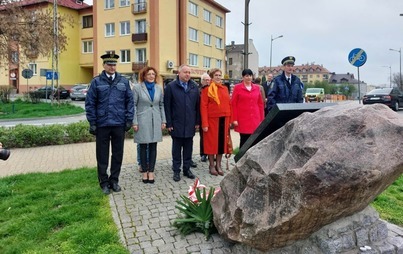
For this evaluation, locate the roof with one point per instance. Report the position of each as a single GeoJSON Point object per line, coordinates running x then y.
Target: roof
{"type": "Point", "coordinates": [298, 69]}
{"type": "Point", "coordinates": [343, 78]}
{"type": "Point", "coordinates": [71, 4]}
{"type": "Point", "coordinates": [217, 5]}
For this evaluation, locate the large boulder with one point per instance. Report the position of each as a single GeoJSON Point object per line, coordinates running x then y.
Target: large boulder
{"type": "Point", "coordinates": [318, 168]}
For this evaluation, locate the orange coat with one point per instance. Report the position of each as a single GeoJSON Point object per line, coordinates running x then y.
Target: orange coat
{"type": "Point", "coordinates": [210, 114]}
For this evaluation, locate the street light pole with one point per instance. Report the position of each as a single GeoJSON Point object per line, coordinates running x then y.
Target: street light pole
{"type": "Point", "coordinates": [400, 74]}
{"type": "Point", "coordinates": [390, 74]}
{"type": "Point", "coordinates": [271, 46]}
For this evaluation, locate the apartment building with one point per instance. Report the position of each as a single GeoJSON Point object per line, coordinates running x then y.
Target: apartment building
{"type": "Point", "coordinates": [235, 59]}
{"type": "Point", "coordinates": [308, 73]}
{"type": "Point", "coordinates": [159, 33]}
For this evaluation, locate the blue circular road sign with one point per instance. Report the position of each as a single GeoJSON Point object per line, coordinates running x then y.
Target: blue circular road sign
{"type": "Point", "coordinates": [357, 57]}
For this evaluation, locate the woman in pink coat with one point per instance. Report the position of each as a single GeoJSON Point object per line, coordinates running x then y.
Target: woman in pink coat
{"type": "Point", "coordinates": [247, 106]}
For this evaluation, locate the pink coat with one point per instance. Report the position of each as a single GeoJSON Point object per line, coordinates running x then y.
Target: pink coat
{"type": "Point", "coordinates": [247, 108]}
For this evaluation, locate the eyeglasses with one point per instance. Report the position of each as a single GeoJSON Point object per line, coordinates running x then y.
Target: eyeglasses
{"type": "Point", "coordinates": [206, 79]}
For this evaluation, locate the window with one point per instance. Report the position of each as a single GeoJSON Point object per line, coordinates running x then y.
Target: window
{"type": "Point", "coordinates": [230, 74]}
{"type": "Point", "coordinates": [193, 9]}
{"type": "Point", "coordinates": [125, 56]}
{"type": "Point", "coordinates": [141, 55]}
{"type": "Point", "coordinates": [87, 21]}
{"type": "Point", "coordinates": [14, 57]}
{"type": "Point", "coordinates": [141, 26]}
{"type": "Point", "coordinates": [218, 63]}
{"type": "Point", "coordinates": [88, 47]}
{"type": "Point", "coordinates": [230, 61]}
{"type": "Point", "coordinates": [218, 21]}
{"type": "Point", "coordinates": [207, 39]}
{"type": "Point", "coordinates": [124, 3]}
{"type": "Point", "coordinates": [193, 34]}
{"type": "Point", "coordinates": [110, 29]}
{"type": "Point", "coordinates": [218, 43]}
{"type": "Point", "coordinates": [34, 68]}
{"type": "Point", "coordinates": [139, 5]}
{"type": "Point", "coordinates": [207, 16]}
{"type": "Point", "coordinates": [125, 28]}
{"type": "Point", "coordinates": [192, 59]}
{"type": "Point", "coordinates": [206, 62]}
{"type": "Point", "coordinates": [109, 4]}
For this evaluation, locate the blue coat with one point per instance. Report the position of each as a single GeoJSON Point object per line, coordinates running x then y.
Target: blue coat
{"type": "Point", "coordinates": [182, 108]}
{"type": "Point", "coordinates": [283, 92]}
{"type": "Point", "coordinates": [109, 104]}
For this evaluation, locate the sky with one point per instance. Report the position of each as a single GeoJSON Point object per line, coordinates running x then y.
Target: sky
{"type": "Point", "coordinates": [322, 32]}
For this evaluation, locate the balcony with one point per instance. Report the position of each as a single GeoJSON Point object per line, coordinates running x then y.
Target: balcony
{"type": "Point", "coordinates": [139, 37]}
{"type": "Point", "coordinates": [140, 7]}
{"type": "Point", "coordinates": [137, 66]}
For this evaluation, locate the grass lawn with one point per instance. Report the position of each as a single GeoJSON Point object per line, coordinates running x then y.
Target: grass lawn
{"type": "Point", "coordinates": [61, 212]}
{"type": "Point", "coordinates": [66, 212]}
{"type": "Point", "coordinates": [29, 110]}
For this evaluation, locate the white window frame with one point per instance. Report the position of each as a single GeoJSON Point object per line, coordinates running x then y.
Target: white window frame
{"type": "Point", "coordinates": [124, 3]}
{"type": "Point", "coordinates": [193, 34]}
{"type": "Point", "coordinates": [141, 26]}
{"type": "Point", "coordinates": [193, 59]}
{"type": "Point", "coordinates": [207, 39]}
{"type": "Point", "coordinates": [218, 63]}
{"type": "Point", "coordinates": [218, 21]}
{"type": "Point", "coordinates": [140, 5]}
{"type": "Point", "coordinates": [109, 29]}
{"type": "Point", "coordinates": [141, 55]}
{"type": "Point", "coordinates": [206, 62]}
{"type": "Point", "coordinates": [219, 43]}
{"type": "Point", "coordinates": [125, 28]}
{"type": "Point", "coordinates": [109, 4]}
{"type": "Point", "coordinates": [207, 15]}
{"type": "Point", "coordinates": [193, 9]}
{"type": "Point", "coordinates": [125, 56]}
{"type": "Point", "coordinates": [34, 68]}
{"type": "Point", "coordinates": [88, 47]}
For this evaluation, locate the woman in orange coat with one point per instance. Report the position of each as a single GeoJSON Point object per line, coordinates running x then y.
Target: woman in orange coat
{"type": "Point", "coordinates": [215, 110]}
{"type": "Point", "coordinates": [247, 106]}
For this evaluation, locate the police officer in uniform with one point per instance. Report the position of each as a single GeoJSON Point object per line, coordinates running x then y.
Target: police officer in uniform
{"type": "Point", "coordinates": [287, 88]}
{"type": "Point", "coordinates": [110, 110]}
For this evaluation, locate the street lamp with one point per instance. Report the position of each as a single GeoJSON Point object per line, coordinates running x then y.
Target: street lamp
{"type": "Point", "coordinates": [271, 46]}
{"type": "Point", "coordinates": [400, 74]}
{"type": "Point", "coordinates": [390, 74]}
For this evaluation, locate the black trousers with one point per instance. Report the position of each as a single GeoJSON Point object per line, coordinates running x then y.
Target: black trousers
{"type": "Point", "coordinates": [105, 136]}
{"type": "Point", "coordinates": [201, 142]}
{"type": "Point", "coordinates": [151, 157]}
{"type": "Point", "coordinates": [181, 150]}
{"type": "Point", "coordinates": [243, 138]}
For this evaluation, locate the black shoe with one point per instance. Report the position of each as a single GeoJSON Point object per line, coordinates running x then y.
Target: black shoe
{"type": "Point", "coordinates": [193, 164]}
{"type": "Point", "coordinates": [203, 158]}
{"type": "Point", "coordinates": [106, 190]}
{"type": "Point", "coordinates": [189, 174]}
{"type": "Point", "coordinates": [115, 187]}
{"type": "Point", "coordinates": [177, 177]}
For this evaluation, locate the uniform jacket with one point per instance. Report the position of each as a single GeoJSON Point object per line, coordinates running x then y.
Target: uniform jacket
{"type": "Point", "coordinates": [247, 108]}
{"type": "Point", "coordinates": [109, 103]}
{"type": "Point", "coordinates": [209, 108]}
{"type": "Point", "coordinates": [182, 108]}
{"type": "Point", "coordinates": [150, 115]}
{"type": "Point", "coordinates": [283, 92]}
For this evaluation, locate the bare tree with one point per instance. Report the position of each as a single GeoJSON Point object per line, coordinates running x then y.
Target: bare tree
{"type": "Point", "coordinates": [29, 31]}
{"type": "Point", "coordinates": [396, 81]}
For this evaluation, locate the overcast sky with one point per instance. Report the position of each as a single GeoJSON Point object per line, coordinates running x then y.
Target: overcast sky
{"type": "Point", "coordinates": [323, 32]}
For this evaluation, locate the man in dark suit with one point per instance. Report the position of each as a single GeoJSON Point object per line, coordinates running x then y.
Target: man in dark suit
{"type": "Point", "coordinates": [267, 86]}
{"type": "Point", "coordinates": [182, 112]}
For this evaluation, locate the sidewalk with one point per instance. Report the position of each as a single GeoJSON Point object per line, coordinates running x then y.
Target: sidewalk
{"type": "Point", "coordinates": [73, 156]}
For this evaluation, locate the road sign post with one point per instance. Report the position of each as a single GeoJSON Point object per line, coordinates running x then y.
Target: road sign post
{"type": "Point", "coordinates": [27, 74]}
{"type": "Point", "coordinates": [357, 57]}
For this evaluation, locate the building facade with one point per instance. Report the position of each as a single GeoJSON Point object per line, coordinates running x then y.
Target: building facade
{"type": "Point", "coordinates": [159, 33]}
{"type": "Point", "coordinates": [308, 73]}
{"type": "Point", "coordinates": [235, 60]}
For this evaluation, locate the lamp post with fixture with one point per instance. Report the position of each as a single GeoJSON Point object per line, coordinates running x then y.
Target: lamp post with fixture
{"type": "Point", "coordinates": [400, 73]}
{"type": "Point", "coordinates": [271, 45]}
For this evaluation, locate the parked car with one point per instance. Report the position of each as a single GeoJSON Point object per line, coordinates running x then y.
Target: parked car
{"type": "Point", "coordinates": [391, 97]}
{"type": "Point", "coordinates": [78, 92]}
{"type": "Point", "coordinates": [315, 94]}
{"type": "Point", "coordinates": [47, 92]}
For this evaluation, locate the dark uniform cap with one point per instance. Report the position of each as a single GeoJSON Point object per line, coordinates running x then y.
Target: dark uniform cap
{"type": "Point", "coordinates": [288, 60]}
{"type": "Point", "coordinates": [111, 58]}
